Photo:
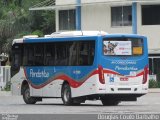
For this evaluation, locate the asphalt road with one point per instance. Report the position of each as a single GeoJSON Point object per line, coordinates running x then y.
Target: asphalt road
{"type": "Point", "coordinates": [149, 103]}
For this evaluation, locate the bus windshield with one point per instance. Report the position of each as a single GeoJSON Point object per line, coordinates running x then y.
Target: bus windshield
{"type": "Point", "coordinates": [123, 46]}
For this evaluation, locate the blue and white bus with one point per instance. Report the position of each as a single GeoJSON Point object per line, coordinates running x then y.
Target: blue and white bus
{"type": "Point", "coordinates": [79, 66]}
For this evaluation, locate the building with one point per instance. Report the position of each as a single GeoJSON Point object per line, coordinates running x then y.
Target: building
{"type": "Point", "coordinates": [112, 16]}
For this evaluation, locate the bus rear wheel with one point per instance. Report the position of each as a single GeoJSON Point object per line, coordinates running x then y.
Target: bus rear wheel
{"type": "Point", "coordinates": [26, 96]}
{"type": "Point", "coordinates": [66, 95]}
{"type": "Point", "coordinates": [110, 102]}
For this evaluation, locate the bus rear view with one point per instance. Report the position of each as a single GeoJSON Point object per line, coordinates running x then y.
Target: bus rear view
{"type": "Point", "coordinates": [123, 68]}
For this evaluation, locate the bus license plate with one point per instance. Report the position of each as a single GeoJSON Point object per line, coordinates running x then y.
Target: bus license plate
{"type": "Point", "coordinates": [123, 79]}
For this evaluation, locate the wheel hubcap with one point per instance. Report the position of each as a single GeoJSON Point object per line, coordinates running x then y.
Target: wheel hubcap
{"type": "Point", "coordinates": [27, 94]}
{"type": "Point", "coordinates": [66, 95]}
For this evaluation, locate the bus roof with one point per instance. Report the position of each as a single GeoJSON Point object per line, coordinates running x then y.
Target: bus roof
{"type": "Point", "coordinates": [20, 40]}
{"type": "Point", "coordinates": [76, 33]}
{"type": "Point", "coordinates": [70, 35]}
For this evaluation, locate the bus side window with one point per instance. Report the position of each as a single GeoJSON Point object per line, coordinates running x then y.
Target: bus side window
{"type": "Point", "coordinates": [28, 58]}
{"type": "Point", "coordinates": [91, 52]}
{"type": "Point", "coordinates": [31, 56]}
{"type": "Point", "coordinates": [38, 55]}
{"type": "Point", "coordinates": [73, 54]}
{"type": "Point", "coordinates": [49, 54]}
{"type": "Point", "coordinates": [16, 59]}
{"type": "Point", "coordinates": [86, 53]}
{"type": "Point", "coordinates": [83, 53]}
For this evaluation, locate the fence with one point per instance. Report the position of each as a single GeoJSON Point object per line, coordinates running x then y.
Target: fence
{"type": "Point", "coordinates": [5, 76]}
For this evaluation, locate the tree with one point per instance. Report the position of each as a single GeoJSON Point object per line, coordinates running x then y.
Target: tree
{"type": "Point", "coordinates": [43, 20]}
{"type": "Point", "coordinates": [16, 20]}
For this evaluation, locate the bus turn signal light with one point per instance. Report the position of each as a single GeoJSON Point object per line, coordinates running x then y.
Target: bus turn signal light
{"type": "Point", "coordinates": [145, 73]}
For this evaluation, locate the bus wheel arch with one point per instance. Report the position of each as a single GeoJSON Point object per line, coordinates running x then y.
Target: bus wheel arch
{"type": "Point", "coordinates": [24, 84]}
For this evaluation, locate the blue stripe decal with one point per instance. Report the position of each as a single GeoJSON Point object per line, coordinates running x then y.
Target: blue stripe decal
{"type": "Point", "coordinates": [78, 15]}
{"type": "Point", "coordinates": [41, 74]}
{"type": "Point", "coordinates": [134, 18]}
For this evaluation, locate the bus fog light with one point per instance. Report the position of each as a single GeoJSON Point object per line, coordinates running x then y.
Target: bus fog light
{"type": "Point", "coordinates": [112, 89]}
{"type": "Point", "coordinates": [135, 89]}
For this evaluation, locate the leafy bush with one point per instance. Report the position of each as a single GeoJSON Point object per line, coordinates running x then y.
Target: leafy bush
{"type": "Point", "coordinates": [7, 87]}
{"type": "Point", "coordinates": [154, 84]}
{"type": "Point", "coordinates": [37, 32]}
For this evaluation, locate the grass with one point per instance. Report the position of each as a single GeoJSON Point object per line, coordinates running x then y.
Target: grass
{"type": "Point", "coordinates": [7, 87]}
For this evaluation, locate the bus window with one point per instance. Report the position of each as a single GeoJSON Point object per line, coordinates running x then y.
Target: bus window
{"type": "Point", "coordinates": [86, 53]}
{"type": "Point", "coordinates": [73, 54]}
{"type": "Point", "coordinates": [123, 46]}
{"type": "Point", "coordinates": [50, 54]}
{"type": "Point", "coordinates": [28, 59]}
{"type": "Point", "coordinates": [16, 58]}
{"type": "Point", "coordinates": [38, 54]}
{"type": "Point", "coordinates": [83, 54]}
{"type": "Point", "coordinates": [60, 54]}
{"type": "Point", "coordinates": [137, 47]}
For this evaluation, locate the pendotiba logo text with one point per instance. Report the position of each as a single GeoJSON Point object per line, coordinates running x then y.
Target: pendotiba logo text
{"type": "Point", "coordinates": [39, 74]}
{"type": "Point", "coordinates": [123, 65]}
{"type": "Point", "coordinates": [126, 68]}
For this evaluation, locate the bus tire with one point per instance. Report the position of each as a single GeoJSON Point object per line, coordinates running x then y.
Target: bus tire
{"type": "Point", "coordinates": [110, 102]}
{"type": "Point", "coordinates": [26, 96]}
{"type": "Point", "coordinates": [66, 95]}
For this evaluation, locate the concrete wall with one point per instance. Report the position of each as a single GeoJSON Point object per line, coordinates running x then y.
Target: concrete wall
{"type": "Point", "coordinates": [151, 31]}
{"type": "Point", "coordinates": [65, 2]}
{"type": "Point", "coordinates": [100, 19]}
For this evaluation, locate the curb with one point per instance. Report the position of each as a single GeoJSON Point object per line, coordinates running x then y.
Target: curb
{"type": "Point", "coordinates": [154, 90]}
{"type": "Point", "coordinates": [5, 93]}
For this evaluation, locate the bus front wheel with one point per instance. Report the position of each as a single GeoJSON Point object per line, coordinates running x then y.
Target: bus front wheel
{"type": "Point", "coordinates": [26, 96]}
{"type": "Point", "coordinates": [66, 94]}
